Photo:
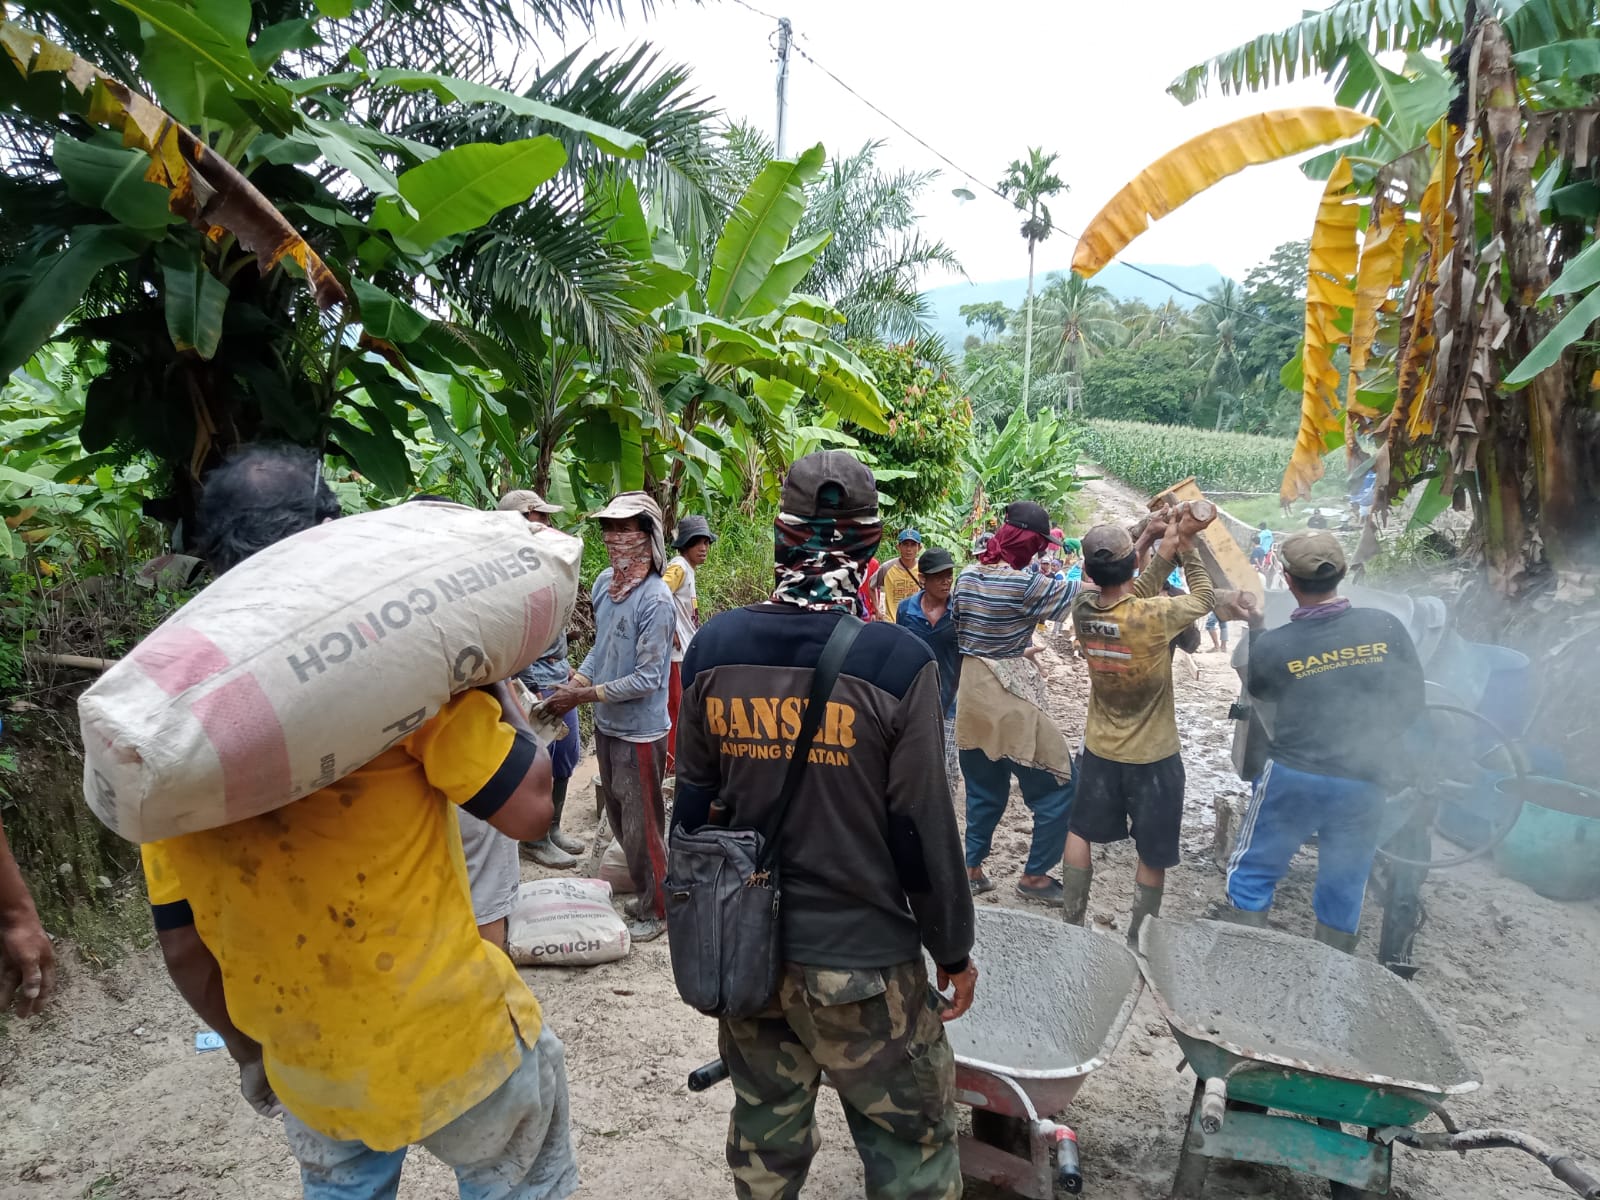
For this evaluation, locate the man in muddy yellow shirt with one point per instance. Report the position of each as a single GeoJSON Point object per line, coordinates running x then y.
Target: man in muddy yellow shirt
{"type": "Point", "coordinates": [332, 943]}
{"type": "Point", "coordinates": [1130, 775]}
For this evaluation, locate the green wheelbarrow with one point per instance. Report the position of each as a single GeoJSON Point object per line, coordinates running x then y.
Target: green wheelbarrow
{"type": "Point", "coordinates": [1309, 1059]}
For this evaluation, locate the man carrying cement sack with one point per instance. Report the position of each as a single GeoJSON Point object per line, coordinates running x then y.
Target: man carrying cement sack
{"type": "Point", "coordinates": [1130, 774]}
{"type": "Point", "coordinates": [551, 670]}
{"type": "Point", "coordinates": [870, 857]}
{"type": "Point", "coordinates": [625, 677]}
{"type": "Point", "coordinates": [331, 941]}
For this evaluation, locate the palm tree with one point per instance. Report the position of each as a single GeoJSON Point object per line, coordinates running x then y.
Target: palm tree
{"type": "Point", "coordinates": [1158, 324]}
{"type": "Point", "coordinates": [1077, 320]}
{"type": "Point", "coordinates": [1028, 185]}
{"type": "Point", "coordinates": [1216, 342]}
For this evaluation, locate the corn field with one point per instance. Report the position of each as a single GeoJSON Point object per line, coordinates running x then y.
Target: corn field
{"type": "Point", "coordinates": [1153, 457]}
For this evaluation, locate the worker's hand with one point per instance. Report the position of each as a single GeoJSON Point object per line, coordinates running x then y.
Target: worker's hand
{"type": "Point", "coordinates": [258, 1093]}
{"type": "Point", "coordinates": [965, 984]}
{"type": "Point", "coordinates": [27, 963]}
{"type": "Point", "coordinates": [564, 699]}
{"type": "Point", "coordinates": [1249, 607]}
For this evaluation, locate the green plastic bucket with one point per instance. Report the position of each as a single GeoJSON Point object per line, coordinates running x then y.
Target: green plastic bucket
{"type": "Point", "coordinates": [1554, 847]}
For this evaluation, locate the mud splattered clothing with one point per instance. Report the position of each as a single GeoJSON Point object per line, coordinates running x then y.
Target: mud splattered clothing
{"type": "Point", "coordinates": [1131, 715]}
{"type": "Point", "coordinates": [344, 930]}
{"type": "Point", "coordinates": [630, 657]}
{"type": "Point", "coordinates": [630, 777]}
{"type": "Point", "coordinates": [516, 1145]}
{"type": "Point", "coordinates": [877, 1034]}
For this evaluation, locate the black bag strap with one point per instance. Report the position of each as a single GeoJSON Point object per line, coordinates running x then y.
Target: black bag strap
{"type": "Point", "coordinates": [822, 681]}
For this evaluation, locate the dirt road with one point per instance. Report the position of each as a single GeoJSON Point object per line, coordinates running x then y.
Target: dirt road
{"type": "Point", "coordinates": [107, 1097]}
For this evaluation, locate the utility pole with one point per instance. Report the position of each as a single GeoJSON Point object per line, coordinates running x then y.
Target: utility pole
{"type": "Point", "coordinates": [785, 33]}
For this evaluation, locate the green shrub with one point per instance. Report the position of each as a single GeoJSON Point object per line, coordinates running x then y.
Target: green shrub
{"type": "Point", "coordinates": [918, 461]}
{"type": "Point", "coordinates": [1154, 457]}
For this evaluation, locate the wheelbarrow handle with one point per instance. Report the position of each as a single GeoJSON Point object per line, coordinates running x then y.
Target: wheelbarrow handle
{"type": "Point", "coordinates": [708, 1076]}
{"type": "Point", "coordinates": [1567, 1170]}
{"type": "Point", "coordinates": [1563, 1166]}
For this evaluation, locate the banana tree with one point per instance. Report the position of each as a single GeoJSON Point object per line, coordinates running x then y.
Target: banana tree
{"type": "Point", "coordinates": [181, 245]}
{"type": "Point", "coordinates": [741, 349]}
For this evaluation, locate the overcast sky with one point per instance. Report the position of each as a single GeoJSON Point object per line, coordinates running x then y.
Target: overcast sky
{"type": "Point", "coordinates": [983, 81]}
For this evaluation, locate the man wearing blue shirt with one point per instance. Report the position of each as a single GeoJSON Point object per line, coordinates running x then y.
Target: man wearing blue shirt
{"type": "Point", "coordinates": [625, 677]}
{"type": "Point", "coordinates": [927, 614]}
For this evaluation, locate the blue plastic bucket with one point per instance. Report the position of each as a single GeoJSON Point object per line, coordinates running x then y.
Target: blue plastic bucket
{"type": "Point", "coordinates": [1554, 847]}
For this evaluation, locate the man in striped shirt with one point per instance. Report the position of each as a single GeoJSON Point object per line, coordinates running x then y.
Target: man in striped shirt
{"type": "Point", "coordinates": [1003, 726]}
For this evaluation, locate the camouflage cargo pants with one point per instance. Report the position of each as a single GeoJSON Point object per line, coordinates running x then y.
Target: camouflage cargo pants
{"type": "Point", "coordinates": [877, 1034]}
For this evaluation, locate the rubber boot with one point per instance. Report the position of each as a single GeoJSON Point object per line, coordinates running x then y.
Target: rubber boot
{"type": "Point", "coordinates": [560, 839]}
{"type": "Point", "coordinates": [1337, 938]}
{"type": "Point", "coordinates": [1146, 903]}
{"type": "Point", "coordinates": [547, 851]}
{"type": "Point", "coordinates": [1075, 893]}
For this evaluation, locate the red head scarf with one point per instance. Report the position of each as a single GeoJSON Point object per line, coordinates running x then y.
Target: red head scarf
{"type": "Point", "coordinates": [1012, 546]}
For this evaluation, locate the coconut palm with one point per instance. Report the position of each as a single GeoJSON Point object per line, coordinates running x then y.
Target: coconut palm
{"type": "Point", "coordinates": [1028, 185]}
{"type": "Point", "coordinates": [1216, 344]}
{"type": "Point", "coordinates": [1076, 320]}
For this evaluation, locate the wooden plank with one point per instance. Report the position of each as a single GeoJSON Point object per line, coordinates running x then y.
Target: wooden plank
{"type": "Point", "coordinates": [1228, 565]}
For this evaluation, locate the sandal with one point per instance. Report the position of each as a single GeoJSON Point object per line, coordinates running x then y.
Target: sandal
{"type": "Point", "coordinates": [1050, 893]}
{"type": "Point", "coordinates": [981, 884]}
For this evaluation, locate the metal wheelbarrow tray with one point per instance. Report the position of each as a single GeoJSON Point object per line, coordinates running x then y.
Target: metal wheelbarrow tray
{"type": "Point", "coordinates": [1268, 1020]}
{"type": "Point", "coordinates": [1052, 1003]}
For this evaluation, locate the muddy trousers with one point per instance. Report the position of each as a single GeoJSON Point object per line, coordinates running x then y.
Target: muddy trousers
{"type": "Point", "coordinates": [630, 776]}
{"type": "Point", "coordinates": [988, 783]}
{"type": "Point", "coordinates": [877, 1034]}
{"type": "Point", "coordinates": [514, 1145]}
{"type": "Point", "coordinates": [1286, 808]}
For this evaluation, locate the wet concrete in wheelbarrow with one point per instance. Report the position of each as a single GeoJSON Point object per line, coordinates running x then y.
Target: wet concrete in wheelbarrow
{"type": "Point", "coordinates": [1052, 999]}
{"type": "Point", "coordinates": [1270, 995]}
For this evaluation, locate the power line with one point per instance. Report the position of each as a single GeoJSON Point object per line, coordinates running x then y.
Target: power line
{"type": "Point", "coordinates": [966, 174]}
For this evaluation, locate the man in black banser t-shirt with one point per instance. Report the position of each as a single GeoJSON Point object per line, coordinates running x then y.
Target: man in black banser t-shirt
{"type": "Point", "coordinates": [1336, 688]}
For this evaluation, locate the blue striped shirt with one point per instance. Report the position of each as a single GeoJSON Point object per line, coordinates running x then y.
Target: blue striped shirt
{"type": "Point", "coordinates": [996, 608]}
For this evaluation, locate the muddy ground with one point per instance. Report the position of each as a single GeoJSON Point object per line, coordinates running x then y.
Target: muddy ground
{"type": "Point", "coordinates": [106, 1096]}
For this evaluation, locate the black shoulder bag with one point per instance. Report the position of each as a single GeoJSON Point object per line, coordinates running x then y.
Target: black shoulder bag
{"type": "Point", "coordinates": [722, 883]}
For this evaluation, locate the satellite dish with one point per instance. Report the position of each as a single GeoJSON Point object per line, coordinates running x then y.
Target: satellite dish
{"type": "Point", "coordinates": [962, 194]}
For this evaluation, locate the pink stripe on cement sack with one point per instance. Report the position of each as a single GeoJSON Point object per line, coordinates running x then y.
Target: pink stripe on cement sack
{"type": "Point", "coordinates": [178, 659]}
{"type": "Point", "coordinates": [244, 730]}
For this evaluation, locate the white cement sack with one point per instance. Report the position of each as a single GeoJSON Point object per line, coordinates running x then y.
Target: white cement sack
{"type": "Point", "coordinates": [565, 923]}
{"type": "Point", "coordinates": [614, 870]}
{"type": "Point", "coordinates": [311, 658]}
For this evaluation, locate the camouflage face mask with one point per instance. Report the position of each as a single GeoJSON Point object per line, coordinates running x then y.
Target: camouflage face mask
{"type": "Point", "coordinates": [822, 561]}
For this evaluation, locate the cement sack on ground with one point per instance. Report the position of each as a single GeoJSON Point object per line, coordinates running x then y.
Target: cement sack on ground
{"type": "Point", "coordinates": [312, 657]}
{"type": "Point", "coordinates": [614, 870]}
{"type": "Point", "coordinates": [565, 923]}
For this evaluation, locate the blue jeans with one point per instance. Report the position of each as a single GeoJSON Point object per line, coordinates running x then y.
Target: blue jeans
{"type": "Point", "coordinates": [989, 787]}
{"type": "Point", "coordinates": [1287, 807]}
{"type": "Point", "coordinates": [514, 1145]}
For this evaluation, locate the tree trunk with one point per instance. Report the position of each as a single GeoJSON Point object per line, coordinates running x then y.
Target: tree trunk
{"type": "Point", "coordinates": [1027, 337]}
{"type": "Point", "coordinates": [1542, 438]}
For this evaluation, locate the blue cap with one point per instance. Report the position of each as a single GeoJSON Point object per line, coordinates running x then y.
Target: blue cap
{"type": "Point", "coordinates": [909, 535]}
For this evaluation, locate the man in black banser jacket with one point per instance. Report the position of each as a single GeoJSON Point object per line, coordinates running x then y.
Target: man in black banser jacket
{"type": "Point", "coordinates": [870, 858]}
{"type": "Point", "coordinates": [1337, 688]}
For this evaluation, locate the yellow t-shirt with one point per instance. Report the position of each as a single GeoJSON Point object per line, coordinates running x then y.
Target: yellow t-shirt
{"type": "Point", "coordinates": [898, 584]}
{"type": "Point", "coordinates": [343, 926]}
{"type": "Point", "coordinates": [1131, 717]}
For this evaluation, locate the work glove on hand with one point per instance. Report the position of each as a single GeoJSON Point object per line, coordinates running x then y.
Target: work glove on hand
{"type": "Point", "coordinates": [258, 1093]}
{"type": "Point", "coordinates": [27, 963]}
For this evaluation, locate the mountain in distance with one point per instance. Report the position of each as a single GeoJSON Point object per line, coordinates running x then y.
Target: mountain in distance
{"type": "Point", "coordinates": [1118, 278]}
